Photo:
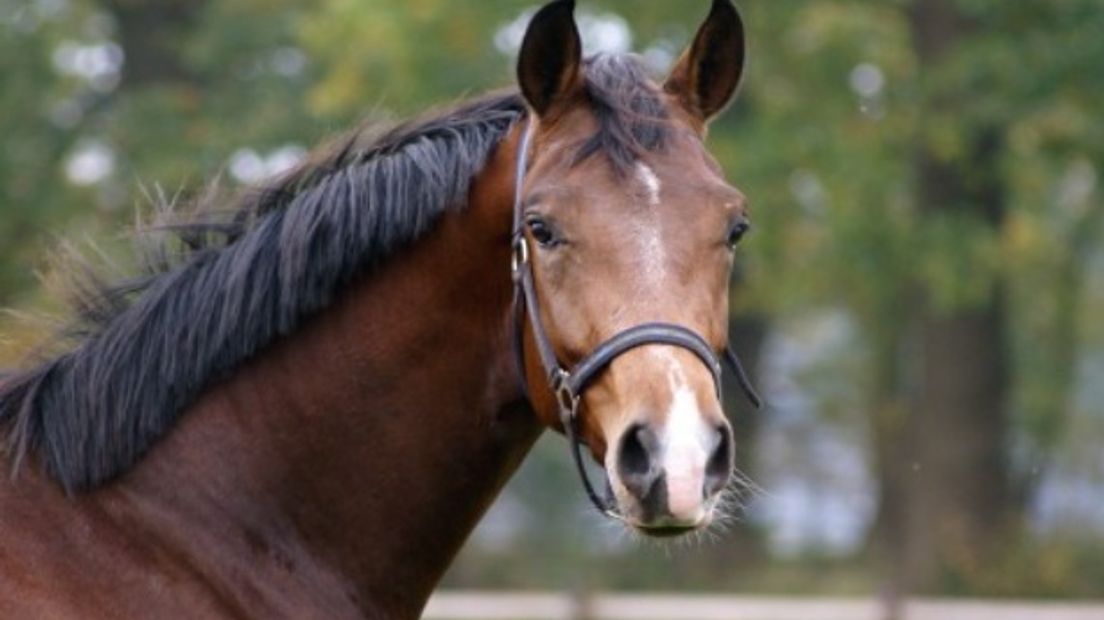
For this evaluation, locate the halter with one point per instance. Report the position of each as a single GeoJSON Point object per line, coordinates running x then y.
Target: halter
{"type": "Point", "coordinates": [568, 386]}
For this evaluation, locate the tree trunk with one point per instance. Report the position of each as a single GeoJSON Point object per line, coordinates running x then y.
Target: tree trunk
{"type": "Point", "coordinates": [957, 489]}
{"type": "Point", "coordinates": [888, 417]}
{"type": "Point", "coordinates": [152, 35]}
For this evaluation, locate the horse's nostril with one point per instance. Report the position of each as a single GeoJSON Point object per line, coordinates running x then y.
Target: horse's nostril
{"type": "Point", "coordinates": [719, 467]}
{"type": "Point", "coordinates": [634, 460]}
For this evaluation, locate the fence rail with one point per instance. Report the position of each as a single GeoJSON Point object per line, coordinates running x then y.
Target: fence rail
{"type": "Point", "coordinates": [558, 606]}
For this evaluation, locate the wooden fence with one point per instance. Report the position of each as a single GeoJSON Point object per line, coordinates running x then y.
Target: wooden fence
{"type": "Point", "coordinates": [558, 606]}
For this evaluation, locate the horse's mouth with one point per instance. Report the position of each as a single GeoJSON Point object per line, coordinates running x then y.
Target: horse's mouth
{"type": "Point", "coordinates": [651, 524]}
{"type": "Point", "coordinates": [666, 531]}
{"type": "Point", "coordinates": [668, 528]}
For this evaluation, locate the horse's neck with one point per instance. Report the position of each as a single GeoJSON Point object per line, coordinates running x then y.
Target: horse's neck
{"type": "Point", "coordinates": [371, 442]}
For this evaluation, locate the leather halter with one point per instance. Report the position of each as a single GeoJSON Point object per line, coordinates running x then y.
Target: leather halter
{"type": "Point", "coordinates": [568, 386]}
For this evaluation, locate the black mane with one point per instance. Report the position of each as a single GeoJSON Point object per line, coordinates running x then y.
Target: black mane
{"type": "Point", "coordinates": [227, 284]}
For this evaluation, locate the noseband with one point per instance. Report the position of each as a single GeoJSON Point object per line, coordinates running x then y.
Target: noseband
{"type": "Point", "coordinates": [568, 386]}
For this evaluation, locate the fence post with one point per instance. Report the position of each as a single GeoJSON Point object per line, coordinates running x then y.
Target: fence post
{"type": "Point", "coordinates": [582, 604]}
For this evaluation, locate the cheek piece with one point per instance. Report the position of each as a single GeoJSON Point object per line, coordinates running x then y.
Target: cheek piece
{"type": "Point", "coordinates": [569, 385]}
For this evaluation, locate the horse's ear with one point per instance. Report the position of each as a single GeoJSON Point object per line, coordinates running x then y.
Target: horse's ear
{"type": "Point", "coordinates": [551, 56]}
{"type": "Point", "coordinates": [707, 74]}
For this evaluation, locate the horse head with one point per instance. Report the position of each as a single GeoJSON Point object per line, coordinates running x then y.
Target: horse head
{"type": "Point", "coordinates": [626, 230]}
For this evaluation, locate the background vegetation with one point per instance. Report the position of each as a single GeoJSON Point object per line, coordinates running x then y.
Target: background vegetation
{"type": "Point", "coordinates": [921, 297]}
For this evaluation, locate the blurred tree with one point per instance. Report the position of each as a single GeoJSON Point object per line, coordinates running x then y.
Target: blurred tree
{"type": "Point", "coordinates": [962, 501]}
{"type": "Point", "coordinates": [959, 496]}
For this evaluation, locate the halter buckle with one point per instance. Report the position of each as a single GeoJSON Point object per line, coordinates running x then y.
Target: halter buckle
{"type": "Point", "coordinates": [566, 397]}
{"type": "Point", "coordinates": [519, 256]}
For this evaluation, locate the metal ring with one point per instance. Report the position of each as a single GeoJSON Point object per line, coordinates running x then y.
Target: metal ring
{"type": "Point", "coordinates": [520, 255]}
{"type": "Point", "coordinates": [566, 397]}
{"type": "Point", "coordinates": [568, 400]}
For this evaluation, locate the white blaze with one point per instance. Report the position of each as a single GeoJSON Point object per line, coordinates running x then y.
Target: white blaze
{"type": "Point", "coordinates": [654, 254]}
{"type": "Point", "coordinates": [650, 181]}
{"type": "Point", "coordinates": [685, 447]}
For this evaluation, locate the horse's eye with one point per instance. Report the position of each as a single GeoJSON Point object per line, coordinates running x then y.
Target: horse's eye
{"type": "Point", "coordinates": [542, 232]}
{"type": "Point", "coordinates": [737, 232]}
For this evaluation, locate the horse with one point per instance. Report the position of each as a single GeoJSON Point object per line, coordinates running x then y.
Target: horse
{"type": "Point", "coordinates": [307, 402]}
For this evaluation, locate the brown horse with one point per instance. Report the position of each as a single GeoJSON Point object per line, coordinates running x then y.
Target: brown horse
{"type": "Point", "coordinates": [304, 410]}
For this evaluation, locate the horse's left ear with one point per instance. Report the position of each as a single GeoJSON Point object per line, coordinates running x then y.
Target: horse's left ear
{"type": "Point", "coordinates": [707, 74]}
{"type": "Point", "coordinates": [551, 55]}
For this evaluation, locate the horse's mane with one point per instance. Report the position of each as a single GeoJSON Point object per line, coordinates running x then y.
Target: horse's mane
{"type": "Point", "coordinates": [220, 285]}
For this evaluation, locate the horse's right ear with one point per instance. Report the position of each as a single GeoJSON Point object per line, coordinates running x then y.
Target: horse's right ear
{"type": "Point", "coordinates": [706, 76]}
{"type": "Point", "coordinates": [551, 56]}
